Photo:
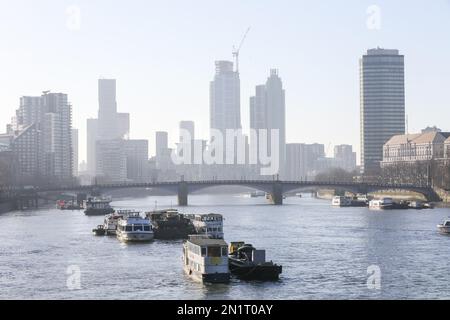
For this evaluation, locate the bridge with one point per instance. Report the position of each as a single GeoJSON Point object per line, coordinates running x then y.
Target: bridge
{"type": "Point", "coordinates": [275, 188]}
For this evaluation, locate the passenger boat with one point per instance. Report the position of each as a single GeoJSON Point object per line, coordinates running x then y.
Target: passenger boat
{"type": "Point", "coordinates": [247, 263]}
{"type": "Point", "coordinates": [444, 227]}
{"type": "Point", "coordinates": [206, 259]}
{"type": "Point", "coordinates": [98, 206]}
{"type": "Point", "coordinates": [112, 220]}
{"type": "Point", "coordinates": [257, 194]}
{"type": "Point", "coordinates": [134, 228]}
{"type": "Point", "coordinates": [208, 224]}
{"type": "Point", "coordinates": [170, 224]}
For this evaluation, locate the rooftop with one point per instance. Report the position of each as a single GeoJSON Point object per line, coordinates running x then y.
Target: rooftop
{"type": "Point", "coordinates": [207, 242]}
{"type": "Point", "coordinates": [419, 138]}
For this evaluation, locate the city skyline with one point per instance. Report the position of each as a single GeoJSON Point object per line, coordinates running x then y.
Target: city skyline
{"type": "Point", "coordinates": [330, 49]}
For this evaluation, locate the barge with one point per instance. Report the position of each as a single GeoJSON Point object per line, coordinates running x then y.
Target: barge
{"type": "Point", "coordinates": [247, 263]}
{"type": "Point", "coordinates": [170, 224]}
{"type": "Point", "coordinates": [98, 206]}
{"type": "Point", "coordinates": [206, 259]}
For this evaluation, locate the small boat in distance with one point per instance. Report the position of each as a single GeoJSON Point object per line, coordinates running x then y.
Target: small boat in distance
{"type": "Point", "coordinates": [206, 259]}
{"type": "Point", "coordinates": [68, 205]}
{"type": "Point", "coordinates": [134, 228]}
{"type": "Point", "coordinates": [387, 204]}
{"type": "Point", "coordinates": [247, 263]}
{"type": "Point", "coordinates": [98, 206]}
{"type": "Point", "coordinates": [444, 227]}
{"type": "Point", "coordinates": [341, 201]}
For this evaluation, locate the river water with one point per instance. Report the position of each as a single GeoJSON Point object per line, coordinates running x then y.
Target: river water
{"type": "Point", "coordinates": [325, 253]}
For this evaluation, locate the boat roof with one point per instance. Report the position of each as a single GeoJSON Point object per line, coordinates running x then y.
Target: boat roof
{"type": "Point", "coordinates": [207, 242]}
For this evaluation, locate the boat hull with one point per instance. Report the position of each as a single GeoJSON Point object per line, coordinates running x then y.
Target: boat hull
{"type": "Point", "coordinates": [261, 272]}
{"type": "Point", "coordinates": [98, 212]}
{"type": "Point", "coordinates": [135, 237]}
{"type": "Point", "coordinates": [444, 230]}
{"type": "Point", "coordinates": [208, 277]}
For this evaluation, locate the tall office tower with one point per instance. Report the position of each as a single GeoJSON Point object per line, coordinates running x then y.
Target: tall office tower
{"type": "Point", "coordinates": [75, 152]}
{"type": "Point", "coordinates": [382, 81]}
{"type": "Point", "coordinates": [29, 112]}
{"type": "Point", "coordinates": [187, 126]}
{"type": "Point", "coordinates": [225, 98]}
{"type": "Point", "coordinates": [162, 143]}
{"type": "Point", "coordinates": [268, 111]}
{"type": "Point", "coordinates": [111, 161]}
{"type": "Point", "coordinates": [107, 111]}
{"type": "Point", "coordinates": [26, 150]}
{"type": "Point", "coordinates": [91, 139]}
{"type": "Point", "coordinates": [137, 160]}
{"type": "Point", "coordinates": [344, 157]}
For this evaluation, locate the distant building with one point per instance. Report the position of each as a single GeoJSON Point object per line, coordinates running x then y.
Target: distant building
{"type": "Point", "coordinates": [162, 143]}
{"type": "Point", "coordinates": [303, 161]}
{"type": "Point", "coordinates": [137, 160]}
{"type": "Point", "coordinates": [75, 151]}
{"type": "Point", "coordinates": [111, 161]}
{"type": "Point", "coordinates": [268, 112]}
{"type": "Point", "coordinates": [91, 140]}
{"type": "Point", "coordinates": [344, 157]}
{"type": "Point", "coordinates": [415, 147]}
{"type": "Point", "coordinates": [382, 83]}
{"type": "Point", "coordinates": [431, 129]}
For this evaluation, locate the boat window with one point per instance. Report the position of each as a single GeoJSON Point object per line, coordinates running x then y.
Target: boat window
{"type": "Point", "coordinates": [214, 252]}
{"type": "Point", "coordinates": [138, 227]}
{"type": "Point", "coordinates": [146, 228]}
{"type": "Point", "coordinates": [447, 224]}
{"type": "Point", "coordinates": [224, 251]}
{"type": "Point", "coordinates": [203, 252]}
{"type": "Point", "coordinates": [128, 228]}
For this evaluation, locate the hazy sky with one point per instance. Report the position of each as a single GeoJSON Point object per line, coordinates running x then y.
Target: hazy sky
{"type": "Point", "coordinates": [162, 54]}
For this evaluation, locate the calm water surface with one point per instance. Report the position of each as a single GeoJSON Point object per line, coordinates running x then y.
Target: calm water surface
{"type": "Point", "coordinates": [325, 253]}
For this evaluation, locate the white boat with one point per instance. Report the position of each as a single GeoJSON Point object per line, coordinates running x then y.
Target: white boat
{"type": "Point", "coordinates": [206, 259]}
{"type": "Point", "coordinates": [208, 224]}
{"type": "Point", "coordinates": [444, 227]}
{"type": "Point", "coordinates": [134, 228]}
{"type": "Point", "coordinates": [112, 220]}
{"type": "Point", "coordinates": [381, 204]}
{"type": "Point", "coordinates": [340, 201]}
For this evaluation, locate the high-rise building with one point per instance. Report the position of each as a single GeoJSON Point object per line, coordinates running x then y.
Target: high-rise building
{"type": "Point", "coordinates": [268, 111]}
{"type": "Point", "coordinates": [382, 81]}
{"type": "Point", "coordinates": [75, 151]}
{"type": "Point", "coordinates": [162, 143]}
{"type": "Point", "coordinates": [91, 139]}
{"type": "Point", "coordinates": [42, 140]}
{"type": "Point", "coordinates": [107, 111]}
{"type": "Point", "coordinates": [344, 157]}
{"type": "Point", "coordinates": [225, 98]}
{"type": "Point", "coordinates": [137, 160]}
{"type": "Point", "coordinates": [111, 161]}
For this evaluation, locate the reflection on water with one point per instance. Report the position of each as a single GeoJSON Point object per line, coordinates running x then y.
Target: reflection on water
{"type": "Point", "coordinates": [325, 253]}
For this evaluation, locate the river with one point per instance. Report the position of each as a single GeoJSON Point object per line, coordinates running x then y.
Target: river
{"type": "Point", "coordinates": [326, 253]}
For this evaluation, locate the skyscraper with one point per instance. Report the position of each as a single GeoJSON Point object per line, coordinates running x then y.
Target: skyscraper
{"type": "Point", "coordinates": [162, 143]}
{"type": "Point", "coordinates": [92, 137]}
{"type": "Point", "coordinates": [382, 81]}
{"type": "Point", "coordinates": [107, 111]}
{"type": "Point", "coordinates": [225, 98]}
{"type": "Point", "coordinates": [268, 111]}
{"type": "Point", "coordinates": [75, 151]}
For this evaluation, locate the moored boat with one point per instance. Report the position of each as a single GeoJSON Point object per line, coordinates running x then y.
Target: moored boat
{"type": "Point", "coordinates": [387, 204]}
{"type": "Point", "coordinates": [444, 227]}
{"type": "Point", "coordinates": [208, 224]}
{"type": "Point", "coordinates": [247, 263]}
{"type": "Point", "coordinates": [206, 259]}
{"type": "Point", "coordinates": [170, 224]}
{"type": "Point", "coordinates": [134, 228]}
{"type": "Point", "coordinates": [98, 206]}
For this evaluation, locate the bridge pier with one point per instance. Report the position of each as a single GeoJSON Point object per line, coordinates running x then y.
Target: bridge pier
{"type": "Point", "coordinates": [183, 192]}
{"type": "Point", "coordinates": [277, 194]}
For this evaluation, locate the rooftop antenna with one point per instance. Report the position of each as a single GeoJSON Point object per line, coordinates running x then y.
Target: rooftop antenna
{"type": "Point", "coordinates": [238, 50]}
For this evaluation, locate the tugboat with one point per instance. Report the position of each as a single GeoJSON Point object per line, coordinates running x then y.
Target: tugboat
{"type": "Point", "coordinates": [208, 224]}
{"type": "Point", "coordinates": [98, 206]}
{"type": "Point", "coordinates": [134, 228]}
{"type": "Point", "coordinates": [100, 230]}
{"type": "Point", "coordinates": [169, 224]}
{"type": "Point", "coordinates": [444, 227]}
{"type": "Point", "coordinates": [247, 263]}
{"type": "Point", "coordinates": [206, 259]}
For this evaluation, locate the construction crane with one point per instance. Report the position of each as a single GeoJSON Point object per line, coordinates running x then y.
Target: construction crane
{"type": "Point", "coordinates": [236, 51]}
